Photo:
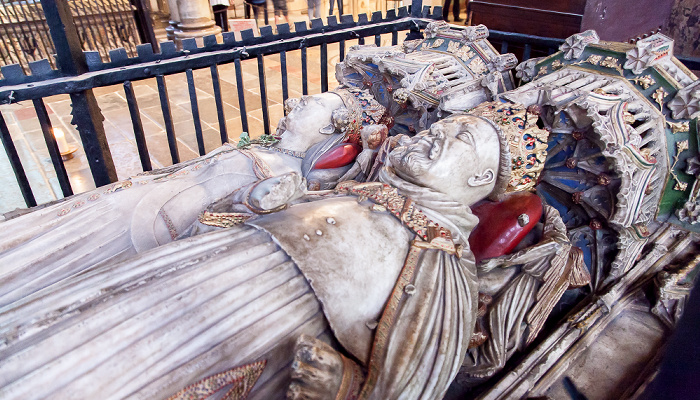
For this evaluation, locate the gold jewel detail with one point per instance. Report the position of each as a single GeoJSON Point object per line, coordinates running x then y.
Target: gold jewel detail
{"type": "Point", "coordinates": [557, 64]}
{"type": "Point", "coordinates": [645, 81]}
{"type": "Point", "coordinates": [679, 126]}
{"type": "Point", "coordinates": [527, 142]}
{"type": "Point", "coordinates": [612, 62]}
{"type": "Point", "coordinates": [477, 66]}
{"type": "Point", "coordinates": [659, 95]}
{"type": "Point", "coordinates": [680, 148]}
{"type": "Point", "coordinates": [452, 47]}
{"type": "Point", "coordinates": [593, 59]}
{"type": "Point", "coordinates": [223, 220]}
{"type": "Point", "coordinates": [437, 43]}
{"type": "Point", "coordinates": [242, 378]}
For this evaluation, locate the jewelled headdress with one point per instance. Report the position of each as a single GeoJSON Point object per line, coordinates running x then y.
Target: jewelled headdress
{"type": "Point", "coordinates": [523, 145]}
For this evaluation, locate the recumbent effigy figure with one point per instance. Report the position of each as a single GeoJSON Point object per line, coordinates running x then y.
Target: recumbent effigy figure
{"type": "Point", "coordinates": [114, 223]}
{"type": "Point", "coordinates": [325, 138]}
{"type": "Point", "coordinates": [576, 103]}
{"type": "Point", "coordinates": [241, 297]}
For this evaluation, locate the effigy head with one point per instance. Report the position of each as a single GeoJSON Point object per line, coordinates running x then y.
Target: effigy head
{"type": "Point", "coordinates": [458, 156]}
{"type": "Point", "coordinates": [341, 114]}
{"type": "Point", "coordinates": [307, 120]}
{"type": "Point", "coordinates": [495, 149]}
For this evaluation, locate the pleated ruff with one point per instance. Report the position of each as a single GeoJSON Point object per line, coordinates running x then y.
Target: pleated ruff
{"type": "Point", "coordinates": [150, 326]}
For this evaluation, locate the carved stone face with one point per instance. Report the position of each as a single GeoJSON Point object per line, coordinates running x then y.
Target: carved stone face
{"type": "Point", "coordinates": [457, 156]}
{"type": "Point", "coordinates": [300, 129]}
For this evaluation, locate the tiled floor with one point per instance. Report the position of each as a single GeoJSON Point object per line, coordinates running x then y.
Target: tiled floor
{"type": "Point", "coordinates": [26, 133]}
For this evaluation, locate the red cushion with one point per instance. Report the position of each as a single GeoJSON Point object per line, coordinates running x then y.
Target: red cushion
{"type": "Point", "coordinates": [498, 231]}
{"type": "Point", "coordinates": [338, 156]}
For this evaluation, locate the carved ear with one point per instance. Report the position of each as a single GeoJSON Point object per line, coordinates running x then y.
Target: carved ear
{"type": "Point", "coordinates": [482, 179]}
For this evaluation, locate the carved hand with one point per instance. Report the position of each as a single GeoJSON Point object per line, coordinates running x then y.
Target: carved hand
{"type": "Point", "coordinates": [277, 191]}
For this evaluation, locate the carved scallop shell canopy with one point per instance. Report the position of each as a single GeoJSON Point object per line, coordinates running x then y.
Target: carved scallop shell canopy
{"type": "Point", "coordinates": [642, 74]}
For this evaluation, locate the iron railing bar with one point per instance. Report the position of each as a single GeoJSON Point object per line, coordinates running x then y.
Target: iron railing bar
{"type": "Point", "coordinates": [241, 95]}
{"type": "Point", "coordinates": [11, 45]}
{"type": "Point", "coordinates": [138, 126]}
{"type": "Point", "coordinates": [304, 73]}
{"type": "Point", "coordinates": [692, 63]}
{"type": "Point", "coordinates": [16, 164]}
{"type": "Point", "coordinates": [114, 24]}
{"type": "Point", "coordinates": [195, 112]}
{"type": "Point", "coordinates": [101, 46]}
{"type": "Point", "coordinates": [85, 29]}
{"type": "Point", "coordinates": [129, 23]}
{"type": "Point", "coordinates": [26, 24]}
{"type": "Point", "coordinates": [119, 74]}
{"type": "Point", "coordinates": [324, 68]}
{"type": "Point", "coordinates": [18, 52]}
{"type": "Point", "coordinates": [161, 64]}
{"type": "Point", "coordinates": [216, 83]}
{"type": "Point", "coordinates": [3, 46]}
{"type": "Point", "coordinates": [394, 38]}
{"type": "Point", "coordinates": [378, 40]}
{"type": "Point", "coordinates": [52, 146]}
{"type": "Point", "coordinates": [556, 14]}
{"type": "Point", "coordinates": [103, 39]}
{"type": "Point", "coordinates": [263, 94]}
{"type": "Point", "coordinates": [167, 118]}
{"type": "Point", "coordinates": [526, 52]}
{"type": "Point", "coordinates": [538, 41]}
{"type": "Point", "coordinates": [341, 49]}
{"type": "Point", "coordinates": [48, 49]}
{"type": "Point", "coordinates": [285, 83]}
{"type": "Point", "coordinates": [504, 47]}
{"type": "Point", "coordinates": [361, 40]}
{"type": "Point", "coordinates": [108, 25]}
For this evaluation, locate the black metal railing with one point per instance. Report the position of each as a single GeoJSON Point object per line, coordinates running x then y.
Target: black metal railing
{"type": "Point", "coordinates": [78, 73]}
{"type": "Point", "coordinates": [102, 25]}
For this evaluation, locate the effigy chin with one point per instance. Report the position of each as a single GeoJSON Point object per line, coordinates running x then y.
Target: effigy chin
{"type": "Point", "coordinates": [426, 230]}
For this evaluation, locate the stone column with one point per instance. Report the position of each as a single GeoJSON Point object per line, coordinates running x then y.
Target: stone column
{"type": "Point", "coordinates": [173, 21]}
{"type": "Point", "coordinates": [195, 19]}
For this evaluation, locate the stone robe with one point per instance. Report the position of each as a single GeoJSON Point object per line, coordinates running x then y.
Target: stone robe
{"type": "Point", "coordinates": [151, 325]}
{"type": "Point", "coordinates": [115, 222]}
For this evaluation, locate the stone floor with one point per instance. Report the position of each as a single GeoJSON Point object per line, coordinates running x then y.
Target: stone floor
{"type": "Point", "coordinates": [26, 133]}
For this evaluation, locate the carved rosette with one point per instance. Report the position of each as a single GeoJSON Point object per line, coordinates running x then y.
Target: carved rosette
{"type": "Point", "coordinates": [526, 70]}
{"type": "Point", "coordinates": [686, 103]}
{"type": "Point", "coordinates": [574, 45]}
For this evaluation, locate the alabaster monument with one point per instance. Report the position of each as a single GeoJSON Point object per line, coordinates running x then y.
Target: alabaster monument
{"type": "Point", "coordinates": [425, 231]}
{"type": "Point", "coordinates": [295, 268]}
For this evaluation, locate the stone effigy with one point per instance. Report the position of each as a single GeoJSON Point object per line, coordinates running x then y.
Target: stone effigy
{"type": "Point", "coordinates": [415, 225]}
{"type": "Point", "coordinates": [371, 290]}
{"type": "Point", "coordinates": [154, 208]}
{"type": "Point", "coordinates": [619, 170]}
